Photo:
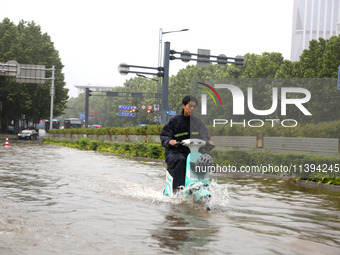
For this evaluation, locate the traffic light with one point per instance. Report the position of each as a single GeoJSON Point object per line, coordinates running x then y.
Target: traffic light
{"type": "Point", "coordinates": [149, 111]}
{"type": "Point", "coordinates": [134, 110]}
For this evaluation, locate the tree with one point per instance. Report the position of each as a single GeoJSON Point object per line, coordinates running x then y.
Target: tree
{"type": "Point", "coordinates": [26, 44]}
{"type": "Point", "coordinates": [321, 60]}
{"type": "Point", "coordinates": [262, 66]}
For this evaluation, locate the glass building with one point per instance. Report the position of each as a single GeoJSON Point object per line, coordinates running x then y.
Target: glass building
{"type": "Point", "coordinates": [313, 19]}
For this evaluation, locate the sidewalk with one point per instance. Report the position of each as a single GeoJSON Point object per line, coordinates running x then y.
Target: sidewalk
{"type": "Point", "coordinates": [10, 136]}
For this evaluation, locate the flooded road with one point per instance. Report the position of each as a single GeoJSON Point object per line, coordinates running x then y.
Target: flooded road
{"type": "Point", "coordinates": [56, 200]}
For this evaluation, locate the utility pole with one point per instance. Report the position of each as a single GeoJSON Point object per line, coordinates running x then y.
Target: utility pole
{"type": "Point", "coordinates": [87, 95]}
{"type": "Point", "coordinates": [165, 85]}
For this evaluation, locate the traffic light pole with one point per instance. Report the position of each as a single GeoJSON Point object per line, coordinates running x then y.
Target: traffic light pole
{"type": "Point", "coordinates": [165, 85]}
{"type": "Point", "coordinates": [140, 112]}
{"type": "Point", "coordinates": [52, 92]}
{"type": "Point", "coordinates": [164, 71]}
{"type": "Point", "coordinates": [87, 94]}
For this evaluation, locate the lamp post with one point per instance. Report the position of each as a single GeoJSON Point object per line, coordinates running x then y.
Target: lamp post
{"type": "Point", "coordinates": [161, 33]}
{"type": "Point", "coordinates": [165, 100]}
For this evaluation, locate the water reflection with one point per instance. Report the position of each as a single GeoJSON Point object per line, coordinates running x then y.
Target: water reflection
{"type": "Point", "coordinates": [54, 199]}
{"type": "Point", "coordinates": [282, 209]}
{"type": "Point", "coordinates": [22, 176]}
{"type": "Point", "coordinates": [185, 229]}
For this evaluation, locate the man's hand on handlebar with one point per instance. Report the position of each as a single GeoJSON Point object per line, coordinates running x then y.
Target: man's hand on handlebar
{"type": "Point", "coordinates": [173, 143]}
{"type": "Point", "coordinates": [210, 145]}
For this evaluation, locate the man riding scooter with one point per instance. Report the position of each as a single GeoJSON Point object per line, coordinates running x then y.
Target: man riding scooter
{"type": "Point", "coordinates": [180, 127]}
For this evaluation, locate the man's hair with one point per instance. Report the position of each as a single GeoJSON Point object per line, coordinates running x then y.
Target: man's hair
{"type": "Point", "coordinates": [187, 99]}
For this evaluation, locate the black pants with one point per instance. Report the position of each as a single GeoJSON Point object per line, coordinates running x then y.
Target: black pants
{"type": "Point", "coordinates": [176, 164]}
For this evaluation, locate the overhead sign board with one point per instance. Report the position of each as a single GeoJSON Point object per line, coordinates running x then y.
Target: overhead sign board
{"type": "Point", "coordinates": [134, 94]}
{"type": "Point", "coordinates": [31, 74]}
{"type": "Point", "coordinates": [111, 94]}
{"type": "Point", "coordinates": [11, 68]}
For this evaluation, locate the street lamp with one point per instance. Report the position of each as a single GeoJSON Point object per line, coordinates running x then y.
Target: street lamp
{"type": "Point", "coordinates": [161, 33]}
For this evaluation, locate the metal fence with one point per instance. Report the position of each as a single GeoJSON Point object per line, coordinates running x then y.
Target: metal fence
{"type": "Point", "coordinates": [319, 146]}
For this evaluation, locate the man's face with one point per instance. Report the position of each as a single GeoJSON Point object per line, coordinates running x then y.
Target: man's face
{"type": "Point", "coordinates": [189, 109]}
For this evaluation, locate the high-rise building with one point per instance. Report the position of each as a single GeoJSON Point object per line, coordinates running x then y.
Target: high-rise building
{"type": "Point", "coordinates": [313, 19]}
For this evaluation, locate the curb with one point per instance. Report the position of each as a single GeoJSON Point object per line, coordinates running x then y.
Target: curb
{"type": "Point", "coordinates": [312, 184]}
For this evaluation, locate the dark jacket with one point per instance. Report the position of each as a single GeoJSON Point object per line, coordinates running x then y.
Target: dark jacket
{"type": "Point", "coordinates": [179, 128]}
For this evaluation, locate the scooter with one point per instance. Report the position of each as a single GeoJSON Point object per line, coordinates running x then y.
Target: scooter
{"type": "Point", "coordinates": [196, 175]}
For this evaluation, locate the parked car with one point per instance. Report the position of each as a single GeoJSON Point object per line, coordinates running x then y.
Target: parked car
{"type": "Point", "coordinates": [28, 134]}
{"type": "Point", "coordinates": [95, 126]}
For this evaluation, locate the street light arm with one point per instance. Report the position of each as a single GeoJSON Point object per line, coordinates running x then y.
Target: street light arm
{"type": "Point", "coordinates": [175, 31]}
{"type": "Point", "coordinates": [161, 33]}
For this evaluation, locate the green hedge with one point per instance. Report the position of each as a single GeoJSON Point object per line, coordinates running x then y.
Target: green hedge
{"type": "Point", "coordinates": [144, 130]}
{"type": "Point", "coordinates": [145, 150]}
{"type": "Point", "coordinates": [321, 130]}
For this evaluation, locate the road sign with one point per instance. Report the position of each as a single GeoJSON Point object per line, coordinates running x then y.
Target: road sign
{"type": "Point", "coordinates": [339, 78]}
{"type": "Point", "coordinates": [150, 107]}
{"type": "Point", "coordinates": [143, 107]}
{"type": "Point", "coordinates": [126, 114]}
{"type": "Point", "coordinates": [82, 116]}
{"type": "Point", "coordinates": [156, 118]}
{"type": "Point", "coordinates": [125, 111]}
{"type": "Point", "coordinates": [156, 107]}
{"type": "Point", "coordinates": [172, 112]}
{"type": "Point", "coordinates": [94, 113]}
{"type": "Point", "coordinates": [126, 107]}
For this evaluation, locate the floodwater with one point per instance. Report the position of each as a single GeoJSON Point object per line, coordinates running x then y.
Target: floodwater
{"type": "Point", "coordinates": [56, 200]}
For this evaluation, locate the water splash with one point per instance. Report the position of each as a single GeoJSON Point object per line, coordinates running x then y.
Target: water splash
{"type": "Point", "coordinates": [219, 196]}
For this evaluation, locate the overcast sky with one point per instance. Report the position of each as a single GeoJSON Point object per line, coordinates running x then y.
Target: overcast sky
{"type": "Point", "coordinates": [94, 37]}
